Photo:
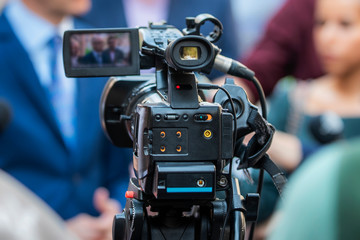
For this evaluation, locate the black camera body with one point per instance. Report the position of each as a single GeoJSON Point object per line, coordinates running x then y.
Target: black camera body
{"type": "Point", "coordinates": [178, 152]}
{"type": "Point", "coordinates": [183, 146]}
{"type": "Point", "coordinates": [164, 133]}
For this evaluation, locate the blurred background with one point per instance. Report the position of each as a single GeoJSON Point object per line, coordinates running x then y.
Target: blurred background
{"type": "Point", "coordinates": [304, 52]}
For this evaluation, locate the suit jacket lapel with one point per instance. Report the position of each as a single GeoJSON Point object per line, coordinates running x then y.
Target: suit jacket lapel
{"type": "Point", "coordinates": [18, 60]}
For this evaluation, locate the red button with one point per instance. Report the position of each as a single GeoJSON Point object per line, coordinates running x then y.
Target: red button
{"type": "Point", "coordinates": [129, 194]}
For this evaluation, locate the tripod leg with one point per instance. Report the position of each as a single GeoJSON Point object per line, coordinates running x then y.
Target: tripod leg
{"type": "Point", "coordinates": [217, 221]}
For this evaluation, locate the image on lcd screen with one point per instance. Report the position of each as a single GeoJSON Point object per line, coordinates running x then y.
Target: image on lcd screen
{"type": "Point", "coordinates": [100, 50]}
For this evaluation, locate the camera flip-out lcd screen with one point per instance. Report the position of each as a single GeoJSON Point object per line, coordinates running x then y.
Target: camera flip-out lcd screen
{"type": "Point", "coordinates": [105, 52]}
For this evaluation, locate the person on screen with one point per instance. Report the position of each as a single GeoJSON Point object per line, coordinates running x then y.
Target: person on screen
{"type": "Point", "coordinates": [75, 51]}
{"type": "Point", "coordinates": [95, 57]}
{"type": "Point", "coordinates": [112, 55]}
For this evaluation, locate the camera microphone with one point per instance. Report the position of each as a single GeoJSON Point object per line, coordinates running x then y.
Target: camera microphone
{"type": "Point", "coordinates": [5, 115]}
{"type": "Point", "coordinates": [327, 127]}
{"type": "Point", "coordinates": [232, 67]}
{"type": "Point", "coordinates": [237, 69]}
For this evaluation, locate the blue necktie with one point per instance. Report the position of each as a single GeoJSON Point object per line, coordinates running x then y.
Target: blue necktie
{"type": "Point", "coordinates": [98, 58]}
{"type": "Point", "coordinates": [59, 95]}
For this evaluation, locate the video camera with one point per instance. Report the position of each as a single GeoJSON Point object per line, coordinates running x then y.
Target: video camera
{"type": "Point", "coordinates": [183, 146]}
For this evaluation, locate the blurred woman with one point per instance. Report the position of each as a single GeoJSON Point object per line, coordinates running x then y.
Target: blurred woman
{"type": "Point", "coordinates": [297, 110]}
{"type": "Point", "coordinates": [328, 179]}
{"type": "Point", "coordinates": [311, 114]}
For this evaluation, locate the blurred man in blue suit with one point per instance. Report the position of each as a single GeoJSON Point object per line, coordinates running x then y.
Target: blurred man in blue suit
{"type": "Point", "coordinates": [54, 143]}
{"type": "Point", "coordinates": [95, 57]}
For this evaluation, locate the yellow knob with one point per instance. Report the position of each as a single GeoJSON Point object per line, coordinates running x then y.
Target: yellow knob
{"type": "Point", "coordinates": [207, 134]}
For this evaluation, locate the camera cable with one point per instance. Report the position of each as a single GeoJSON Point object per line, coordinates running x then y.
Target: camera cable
{"type": "Point", "coordinates": [235, 68]}
{"type": "Point", "coordinates": [209, 87]}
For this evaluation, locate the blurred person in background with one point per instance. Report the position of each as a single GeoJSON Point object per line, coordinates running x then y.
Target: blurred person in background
{"type": "Point", "coordinates": [322, 198]}
{"type": "Point", "coordinates": [113, 55]}
{"type": "Point", "coordinates": [25, 216]}
{"type": "Point", "coordinates": [296, 110]}
{"type": "Point", "coordinates": [286, 48]}
{"type": "Point", "coordinates": [251, 18]}
{"type": "Point", "coordinates": [54, 143]}
{"type": "Point", "coordinates": [316, 112]}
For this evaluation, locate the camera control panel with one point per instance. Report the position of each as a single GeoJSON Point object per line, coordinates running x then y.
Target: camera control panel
{"type": "Point", "coordinates": [159, 36]}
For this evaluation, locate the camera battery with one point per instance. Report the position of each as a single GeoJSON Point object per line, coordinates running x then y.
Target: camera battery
{"type": "Point", "coordinates": [184, 180]}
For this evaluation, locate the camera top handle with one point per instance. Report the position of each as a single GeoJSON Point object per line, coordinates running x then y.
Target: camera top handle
{"type": "Point", "coordinates": [194, 24]}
